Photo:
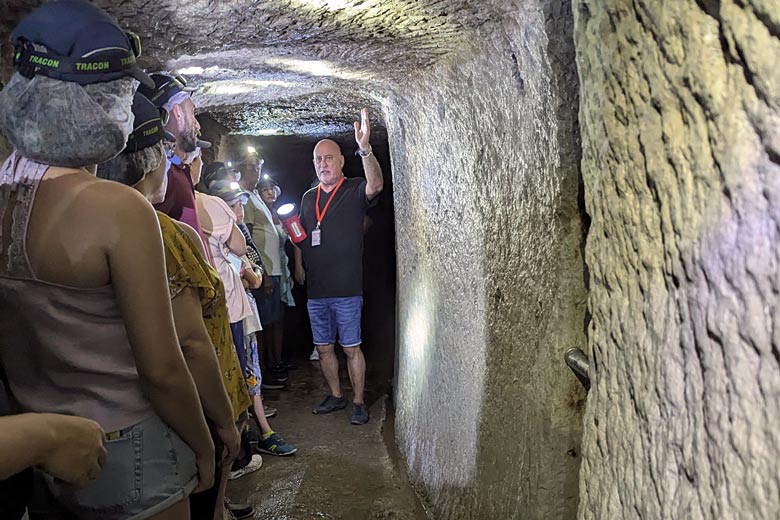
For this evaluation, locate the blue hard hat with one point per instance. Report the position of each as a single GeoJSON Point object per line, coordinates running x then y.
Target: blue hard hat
{"type": "Point", "coordinates": [84, 45]}
{"type": "Point", "coordinates": [164, 88]}
{"type": "Point", "coordinates": [148, 125]}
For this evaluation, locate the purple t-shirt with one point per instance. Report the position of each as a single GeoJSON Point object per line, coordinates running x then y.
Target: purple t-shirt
{"type": "Point", "coordinates": [179, 203]}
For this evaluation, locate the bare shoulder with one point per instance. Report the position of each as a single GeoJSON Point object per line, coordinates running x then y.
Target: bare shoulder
{"type": "Point", "coordinates": [116, 189]}
{"type": "Point", "coordinates": [78, 208]}
{"type": "Point", "coordinates": [121, 197]}
{"type": "Point", "coordinates": [92, 202]}
{"type": "Point", "coordinates": [120, 207]}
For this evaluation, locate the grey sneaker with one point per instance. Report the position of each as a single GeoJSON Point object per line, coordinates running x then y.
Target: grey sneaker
{"type": "Point", "coordinates": [330, 404]}
{"type": "Point", "coordinates": [359, 414]}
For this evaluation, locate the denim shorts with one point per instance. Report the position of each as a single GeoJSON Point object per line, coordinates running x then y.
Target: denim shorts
{"type": "Point", "coordinates": [270, 305]}
{"type": "Point", "coordinates": [330, 316]}
{"type": "Point", "coordinates": [237, 333]}
{"type": "Point", "coordinates": [148, 469]}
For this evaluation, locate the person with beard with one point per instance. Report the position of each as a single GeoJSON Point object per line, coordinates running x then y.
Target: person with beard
{"type": "Point", "coordinates": [173, 95]}
{"type": "Point", "coordinates": [86, 322]}
{"type": "Point", "coordinates": [197, 296]}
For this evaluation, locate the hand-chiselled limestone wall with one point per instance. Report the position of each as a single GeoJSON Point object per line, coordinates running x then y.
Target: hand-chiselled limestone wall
{"type": "Point", "coordinates": [491, 288]}
{"type": "Point", "coordinates": [680, 116]}
{"type": "Point", "coordinates": [6, 70]}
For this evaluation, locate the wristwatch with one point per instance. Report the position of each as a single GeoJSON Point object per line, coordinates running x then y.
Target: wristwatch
{"type": "Point", "coordinates": [364, 153]}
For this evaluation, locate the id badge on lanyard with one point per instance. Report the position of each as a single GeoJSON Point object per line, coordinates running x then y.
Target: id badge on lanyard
{"type": "Point", "coordinates": [316, 237]}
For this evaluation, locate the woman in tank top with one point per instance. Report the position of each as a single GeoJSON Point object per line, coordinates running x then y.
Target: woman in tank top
{"type": "Point", "coordinates": [85, 318]}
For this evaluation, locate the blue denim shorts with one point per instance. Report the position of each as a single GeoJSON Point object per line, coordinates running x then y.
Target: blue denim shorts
{"type": "Point", "coordinates": [148, 469]}
{"type": "Point", "coordinates": [330, 316]}
{"type": "Point", "coordinates": [269, 305]}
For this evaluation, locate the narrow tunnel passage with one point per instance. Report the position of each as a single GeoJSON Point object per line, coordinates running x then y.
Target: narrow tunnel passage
{"type": "Point", "coordinates": [557, 174]}
{"type": "Point", "coordinates": [288, 160]}
{"type": "Point", "coordinates": [340, 472]}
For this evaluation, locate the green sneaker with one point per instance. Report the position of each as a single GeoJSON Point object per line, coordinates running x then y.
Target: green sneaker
{"type": "Point", "coordinates": [275, 445]}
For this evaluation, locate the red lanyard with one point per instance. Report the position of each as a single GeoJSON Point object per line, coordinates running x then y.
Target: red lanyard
{"type": "Point", "coordinates": [321, 216]}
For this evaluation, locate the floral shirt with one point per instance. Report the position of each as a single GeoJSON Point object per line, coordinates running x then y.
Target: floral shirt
{"type": "Point", "coordinates": [186, 267]}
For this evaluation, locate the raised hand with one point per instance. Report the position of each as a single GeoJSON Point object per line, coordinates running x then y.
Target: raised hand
{"type": "Point", "coordinates": [363, 130]}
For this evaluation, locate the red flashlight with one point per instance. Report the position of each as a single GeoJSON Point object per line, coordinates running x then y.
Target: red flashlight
{"type": "Point", "coordinates": [291, 223]}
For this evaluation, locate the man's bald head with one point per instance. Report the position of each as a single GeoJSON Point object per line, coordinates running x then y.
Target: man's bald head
{"type": "Point", "coordinates": [328, 145]}
{"type": "Point", "coordinates": [328, 162]}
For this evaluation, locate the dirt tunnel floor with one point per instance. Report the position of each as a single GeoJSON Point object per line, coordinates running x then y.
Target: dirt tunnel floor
{"type": "Point", "coordinates": [341, 471]}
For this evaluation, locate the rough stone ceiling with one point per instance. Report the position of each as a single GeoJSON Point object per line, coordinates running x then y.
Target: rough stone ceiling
{"type": "Point", "coordinates": [290, 66]}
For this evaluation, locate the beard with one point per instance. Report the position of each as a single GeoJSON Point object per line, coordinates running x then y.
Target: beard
{"type": "Point", "coordinates": [188, 141]}
{"type": "Point", "coordinates": [191, 156]}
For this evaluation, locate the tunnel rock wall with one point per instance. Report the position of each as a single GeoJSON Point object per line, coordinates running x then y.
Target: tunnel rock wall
{"type": "Point", "coordinates": [213, 132]}
{"type": "Point", "coordinates": [5, 148]}
{"type": "Point", "coordinates": [6, 71]}
{"type": "Point", "coordinates": [491, 288]}
{"type": "Point", "coordinates": [680, 116]}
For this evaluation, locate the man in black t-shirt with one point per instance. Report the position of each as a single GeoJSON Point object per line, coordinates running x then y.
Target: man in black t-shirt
{"type": "Point", "coordinates": [332, 215]}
